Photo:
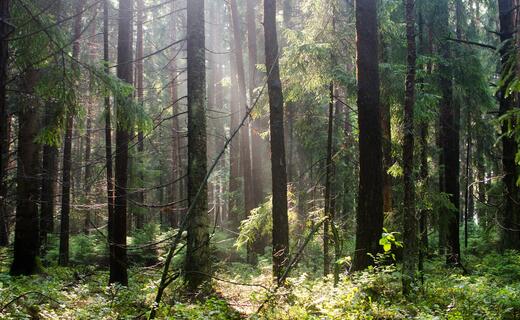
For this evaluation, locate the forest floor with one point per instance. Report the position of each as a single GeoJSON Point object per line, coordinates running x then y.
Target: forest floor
{"type": "Point", "coordinates": [491, 290]}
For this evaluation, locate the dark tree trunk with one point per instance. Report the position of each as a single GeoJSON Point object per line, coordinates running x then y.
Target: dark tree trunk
{"type": "Point", "coordinates": [4, 121]}
{"type": "Point", "coordinates": [108, 134]}
{"type": "Point", "coordinates": [67, 151]}
{"type": "Point", "coordinates": [197, 266]}
{"type": "Point", "coordinates": [410, 253]}
{"type": "Point", "coordinates": [423, 142]}
{"type": "Point", "coordinates": [510, 236]}
{"type": "Point", "coordinates": [280, 232]}
{"type": "Point", "coordinates": [26, 234]}
{"type": "Point", "coordinates": [245, 152]}
{"type": "Point", "coordinates": [450, 140]}
{"type": "Point", "coordinates": [119, 260]}
{"type": "Point", "coordinates": [370, 196]}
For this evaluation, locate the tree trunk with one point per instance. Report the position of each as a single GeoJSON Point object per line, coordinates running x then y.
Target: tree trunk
{"type": "Point", "coordinates": [67, 150]}
{"type": "Point", "coordinates": [234, 149]}
{"type": "Point", "coordinates": [410, 253]}
{"type": "Point", "coordinates": [370, 196]}
{"type": "Point", "coordinates": [245, 152]}
{"type": "Point", "coordinates": [450, 140]}
{"type": "Point", "coordinates": [197, 266]}
{"type": "Point", "coordinates": [329, 214]}
{"type": "Point", "coordinates": [139, 219]}
{"type": "Point", "coordinates": [4, 121]}
{"type": "Point", "coordinates": [118, 260]}
{"type": "Point", "coordinates": [510, 234]}
{"type": "Point", "coordinates": [280, 232]}
{"type": "Point", "coordinates": [26, 234]}
{"type": "Point", "coordinates": [108, 135]}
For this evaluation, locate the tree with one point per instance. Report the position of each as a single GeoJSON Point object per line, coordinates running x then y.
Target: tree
{"type": "Point", "coordinates": [118, 256]}
{"type": "Point", "coordinates": [67, 148]}
{"type": "Point", "coordinates": [510, 236]}
{"type": "Point", "coordinates": [410, 253]}
{"type": "Point", "coordinates": [139, 219]}
{"type": "Point", "coordinates": [108, 136]}
{"type": "Point", "coordinates": [449, 139]}
{"type": "Point", "coordinates": [4, 121]}
{"type": "Point", "coordinates": [370, 196]}
{"type": "Point", "coordinates": [245, 152]}
{"type": "Point", "coordinates": [26, 233]}
{"type": "Point", "coordinates": [280, 231]}
{"type": "Point", "coordinates": [197, 266]}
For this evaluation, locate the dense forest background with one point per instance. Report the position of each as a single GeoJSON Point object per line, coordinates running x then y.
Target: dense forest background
{"type": "Point", "coordinates": [290, 159]}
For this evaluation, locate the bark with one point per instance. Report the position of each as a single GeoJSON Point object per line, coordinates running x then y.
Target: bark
{"type": "Point", "coordinates": [510, 224]}
{"type": "Point", "coordinates": [119, 260]}
{"type": "Point", "coordinates": [245, 152]}
{"type": "Point", "coordinates": [176, 138]}
{"type": "Point", "coordinates": [67, 150]}
{"type": "Point", "coordinates": [26, 234]}
{"type": "Point", "coordinates": [108, 134]}
{"type": "Point", "coordinates": [139, 219]}
{"type": "Point", "coordinates": [450, 140]}
{"type": "Point", "coordinates": [410, 252]}
{"type": "Point", "coordinates": [329, 209]}
{"type": "Point", "coordinates": [370, 196]}
{"type": "Point", "coordinates": [4, 121]}
{"type": "Point", "coordinates": [258, 144]}
{"type": "Point", "coordinates": [234, 165]}
{"type": "Point", "coordinates": [280, 232]}
{"type": "Point", "coordinates": [197, 266]}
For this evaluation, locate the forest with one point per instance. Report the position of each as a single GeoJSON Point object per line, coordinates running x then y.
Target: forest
{"type": "Point", "coordinates": [259, 159]}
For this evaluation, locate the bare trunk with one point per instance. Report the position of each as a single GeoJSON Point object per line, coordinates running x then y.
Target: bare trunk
{"type": "Point", "coordinates": [370, 196]}
{"type": "Point", "coordinates": [410, 253]}
{"type": "Point", "coordinates": [197, 266]}
{"type": "Point", "coordinates": [280, 232]}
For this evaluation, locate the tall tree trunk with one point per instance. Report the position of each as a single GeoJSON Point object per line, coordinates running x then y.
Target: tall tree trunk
{"type": "Point", "coordinates": [329, 214]}
{"type": "Point", "coordinates": [280, 232]}
{"type": "Point", "coordinates": [410, 253]}
{"type": "Point", "coordinates": [88, 130]}
{"type": "Point", "coordinates": [423, 142]}
{"type": "Point", "coordinates": [108, 135]}
{"type": "Point", "coordinates": [197, 266]}
{"type": "Point", "coordinates": [4, 121]}
{"type": "Point", "coordinates": [254, 77]}
{"type": "Point", "coordinates": [245, 152]}
{"type": "Point", "coordinates": [139, 219]}
{"type": "Point", "coordinates": [370, 195]}
{"type": "Point", "coordinates": [67, 150]}
{"type": "Point", "coordinates": [119, 260]}
{"type": "Point", "coordinates": [26, 234]}
{"type": "Point", "coordinates": [450, 140]}
{"type": "Point", "coordinates": [234, 149]}
{"type": "Point", "coordinates": [510, 234]}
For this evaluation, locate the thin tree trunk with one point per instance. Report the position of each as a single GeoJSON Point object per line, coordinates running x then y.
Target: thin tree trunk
{"type": "Point", "coordinates": [140, 219]}
{"type": "Point", "coordinates": [119, 260]}
{"type": "Point", "coordinates": [370, 195]}
{"type": "Point", "coordinates": [67, 151]}
{"type": "Point", "coordinates": [108, 136]}
{"type": "Point", "coordinates": [245, 152]}
{"type": "Point", "coordinates": [4, 121]}
{"type": "Point", "coordinates": [280, 232]}
{"type": "Point", "coordinates": [197, 266]}
{"type": "Point", "coordinates": [410, 252]}
{"type": "Point", "coordinates": [328, 185]}
{"type": "Point", "coordinates": [234, 149]}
